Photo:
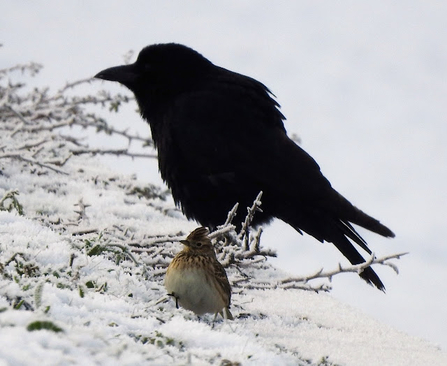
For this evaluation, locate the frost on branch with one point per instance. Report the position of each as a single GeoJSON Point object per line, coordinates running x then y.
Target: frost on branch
{"type": "Point", "coordinates": [37, 123]}
{"type": "Point", "coordinates": [302, 282]}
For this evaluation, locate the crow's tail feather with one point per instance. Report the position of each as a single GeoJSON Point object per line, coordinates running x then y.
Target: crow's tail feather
{"type": "Point", "coordinates": [345, 246]}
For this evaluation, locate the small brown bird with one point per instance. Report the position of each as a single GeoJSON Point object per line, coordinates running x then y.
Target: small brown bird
{"type": "Point", "coordinates": [197, 280]}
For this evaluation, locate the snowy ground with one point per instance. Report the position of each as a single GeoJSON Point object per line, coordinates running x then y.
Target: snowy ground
{"type": "Point", "coordinates": [116, 322]}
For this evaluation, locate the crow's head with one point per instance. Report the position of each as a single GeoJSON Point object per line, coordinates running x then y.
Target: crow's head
{"type": "Point", "coordinates": [164, 69]}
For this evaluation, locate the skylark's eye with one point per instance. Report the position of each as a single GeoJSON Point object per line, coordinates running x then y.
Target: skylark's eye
{"type": "Point", "coordinates": [198, 245]}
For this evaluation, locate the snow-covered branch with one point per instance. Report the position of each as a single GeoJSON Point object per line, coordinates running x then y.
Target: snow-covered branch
{"type": "Point", "coordinates": [117, 152]}
{"type": "Point", "coordinates": [358, 268]}
{"type": "Point", "coordinates": [28, 115]}
{"type": "Point", "coordinates": [32, 161]}
{"type": "Point", "coordinates": [251, 211]}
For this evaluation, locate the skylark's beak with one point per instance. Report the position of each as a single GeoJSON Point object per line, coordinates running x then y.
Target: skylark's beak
{"type": "Point", "coordinates": [185, 242]}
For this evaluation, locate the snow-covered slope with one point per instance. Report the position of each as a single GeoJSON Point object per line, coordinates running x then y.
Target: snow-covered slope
{"type": "Point", "coordinates": [107, 311]}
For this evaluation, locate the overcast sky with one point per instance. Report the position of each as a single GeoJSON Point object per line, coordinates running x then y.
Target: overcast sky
{"type": "Point", "coordinates": [363, 84]}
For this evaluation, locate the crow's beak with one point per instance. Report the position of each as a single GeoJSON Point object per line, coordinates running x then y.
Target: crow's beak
{"type": "Point", "coordinates": [125, 75]}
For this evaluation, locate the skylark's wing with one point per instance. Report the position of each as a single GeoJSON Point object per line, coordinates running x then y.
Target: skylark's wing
{"type": "Point", "coordinates": [222, 281]}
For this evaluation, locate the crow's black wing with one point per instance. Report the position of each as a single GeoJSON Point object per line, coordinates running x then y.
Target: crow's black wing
{"type": "Point", "coordinates": [219, 147]}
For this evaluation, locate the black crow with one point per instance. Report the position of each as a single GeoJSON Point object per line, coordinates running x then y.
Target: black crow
{"type": "Point", "coordinates": [221, 139]}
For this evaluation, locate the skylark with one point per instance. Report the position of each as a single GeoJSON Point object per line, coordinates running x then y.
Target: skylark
{"type": "Point", "coordinates": [196, 279]}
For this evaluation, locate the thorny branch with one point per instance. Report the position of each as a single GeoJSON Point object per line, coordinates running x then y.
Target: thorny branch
{"type": "Point", "coordinates": [358, 268]}
{"type": "Point", "coordinates": [256, 207]}
{"type": "Point", "coordinates": [117, 152]}
{"type": "Point", "coordinates": [27, 114]}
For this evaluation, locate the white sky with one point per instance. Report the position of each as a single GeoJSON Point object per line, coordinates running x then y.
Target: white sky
{"type": "Point", "coordinates": [362, 83]}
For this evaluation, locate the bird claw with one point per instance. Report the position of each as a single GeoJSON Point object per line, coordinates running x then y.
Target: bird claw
{"type": "Point", "coordinates": [176, 299]}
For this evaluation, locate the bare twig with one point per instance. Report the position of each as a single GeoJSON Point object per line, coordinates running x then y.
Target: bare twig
{"type": "Point", "coordinates": [18, 115]}
{"type": "Point", "coordinates": [358, 268]}
{"type": "Point", "coordinates": [222, 230]}
{"type": "Point", "coordinates": [81, 211]}
{"type": "Point", "coordinates": [117, 152]}
{"type": "Point", "coordinates": [256, 207]}
{"type": "Point", "coordinates": [231, 215]}
{"type": "Point", "coordinates": [18, 156]}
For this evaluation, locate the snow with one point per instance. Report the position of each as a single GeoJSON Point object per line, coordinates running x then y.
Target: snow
{"type": "Point", "coordinates": [281, 327]}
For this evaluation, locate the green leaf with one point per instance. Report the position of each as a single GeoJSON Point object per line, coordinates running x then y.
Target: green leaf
{"type": "Point", "coordinates": [39, 325]}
